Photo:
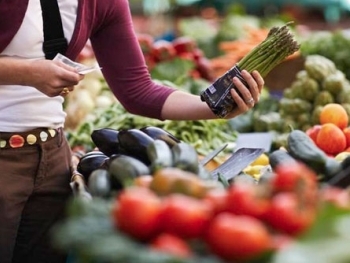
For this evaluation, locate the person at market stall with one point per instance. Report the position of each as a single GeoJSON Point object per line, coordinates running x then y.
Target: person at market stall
{"type": "Point", "coordinates": [35, 157]}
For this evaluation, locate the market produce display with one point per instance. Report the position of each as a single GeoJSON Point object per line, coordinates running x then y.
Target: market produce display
{"type": "Point", "coordinates": [150, 194]}
{"type": "Point", "coordinates": [174, 215]}
{"type": "Point", "coordinates": [141, 193]}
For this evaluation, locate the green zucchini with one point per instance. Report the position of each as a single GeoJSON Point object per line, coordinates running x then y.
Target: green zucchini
{"type": "Point", "coordinates": [301, 147]}
{"type": "Point", "coordinates": [185, 157]}
{"type": "Point", "coordinates": [159, 154]}
{"type": "Point", "coordinates": [124, 169]}
{"type": "Point", "coordinates": [278, 157]}
{"type": "Point", "coordinates": [99, 183]}
{"type": "Point", "coordinates": [332, 167]}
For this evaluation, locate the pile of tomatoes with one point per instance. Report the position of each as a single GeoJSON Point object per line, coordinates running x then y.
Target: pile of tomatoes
{"type": "Point", "coordinates": [237, 224]}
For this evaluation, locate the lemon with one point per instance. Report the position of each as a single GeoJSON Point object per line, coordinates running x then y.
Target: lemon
{"type": "Point", "coordinates": [341, 156]}
{"type": "Point", "coordinates": [263, 159]}
{"type": "Point", "coordinates": [254, 170]}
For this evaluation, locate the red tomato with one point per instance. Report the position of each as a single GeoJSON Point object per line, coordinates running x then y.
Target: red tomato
{"type": "Point", "coordinates": [237, 237]}
{"type": "Point", "coordinates": [217, 198]}
{"type": "Point", "coordinates": [137, 212]}
{"type": "Point", "coordinates": [172, 244]}
{"type": "Point", "coordinates": [296, 178]}
{"type": "Point", "coordinates": [248, 199]}
{"type": "Point", "coordinates": [185, 216]}
{"type": "Point", "coordinates": [288, 215]}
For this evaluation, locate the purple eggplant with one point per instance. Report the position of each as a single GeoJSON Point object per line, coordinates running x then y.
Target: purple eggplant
{"type": "Point", "coordinates": [106, 140]}
{"type": "Point", "coordinates": [90, 162]}
{"type": "Point", "coordinates": [160, 134]}
{"type": "Point", "coordinates": [134, 143]}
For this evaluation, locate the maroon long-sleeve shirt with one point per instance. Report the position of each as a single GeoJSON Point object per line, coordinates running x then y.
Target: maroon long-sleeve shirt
{"type": "Point", "coordinates": [108, 25]}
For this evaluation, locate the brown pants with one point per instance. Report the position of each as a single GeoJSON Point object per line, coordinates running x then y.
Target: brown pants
{"type": "Point", "coordinates": [34, 187]}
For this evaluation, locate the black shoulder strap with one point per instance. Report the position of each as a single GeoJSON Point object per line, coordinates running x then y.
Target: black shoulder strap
{"type": "Point", "coordinates": [54, 40]}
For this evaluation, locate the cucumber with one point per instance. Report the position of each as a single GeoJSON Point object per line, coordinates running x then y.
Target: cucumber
{"type": "Point", "coordinates": [278, 157]}
{"type": "Point", "coordinates": [99, 183]}
{"type": "Point", "coordinates": [185, 157]}
{"type": "Point", "coordinates": [301, 147]}
{"type": "Point", "coordinates": [332, 167]}
{"type": "Point", "coordinates": [160, 155]}
{"type": "Point", "coordinates": [124, 169]}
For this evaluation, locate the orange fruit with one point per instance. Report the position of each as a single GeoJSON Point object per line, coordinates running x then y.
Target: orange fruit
{"type": "Point", "coordinates": [334, 113]}
{"type": "Point", "coordinates": [331, 139]}
{"type": "Point", "coordinates": [143, 180]}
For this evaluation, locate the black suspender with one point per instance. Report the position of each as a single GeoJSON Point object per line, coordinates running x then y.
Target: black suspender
{"type": "Point", "coordinates": [54, 40]}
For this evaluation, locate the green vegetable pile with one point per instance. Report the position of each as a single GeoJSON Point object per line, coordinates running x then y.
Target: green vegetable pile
{"type": "Point", "coordinates": [203, 135]}
{"type": "Point", "coordinates": [334, 45]}
{"type": "Point", "coordinates": [319, 83]}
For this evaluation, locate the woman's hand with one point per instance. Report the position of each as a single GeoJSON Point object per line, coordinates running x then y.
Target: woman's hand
{"type": "Point", "coordinates": [52, 78]}
{"type": "Point", "coordinates": [250, 96]}
{"type": "Point", "coordinates": [47, 76]}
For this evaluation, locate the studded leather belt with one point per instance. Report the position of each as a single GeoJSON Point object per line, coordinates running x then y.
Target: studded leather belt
{"type": "Point", "coordinates": [21, 139]}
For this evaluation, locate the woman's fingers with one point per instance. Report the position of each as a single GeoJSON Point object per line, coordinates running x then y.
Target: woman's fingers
{"type": "Point", "coordinates": [242, 100]}
{"type": "Point", "coordinates": [248, 94]}
{"type": "Point", "coordinates": [255, 83]}
{"type": "Point", "coordinates": [244, 96]}
{"type": "Point", "coordinates": [259, 79]}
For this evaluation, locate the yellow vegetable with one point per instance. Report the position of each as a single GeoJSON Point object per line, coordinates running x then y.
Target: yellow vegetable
{"type": "Point", "coordinates": [254, 171]}
{"type": "Point", "coordinates": [263, 159]}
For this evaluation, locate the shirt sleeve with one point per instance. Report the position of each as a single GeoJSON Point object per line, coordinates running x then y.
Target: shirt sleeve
{"type": "Point", "coordinates": [118, 53]}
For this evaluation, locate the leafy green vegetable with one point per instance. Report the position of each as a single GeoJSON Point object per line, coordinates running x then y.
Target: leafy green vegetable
{"type": "Point", "coordinates": [172, 70]}
{"type": "Point", "coordinates": [334, 45]}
